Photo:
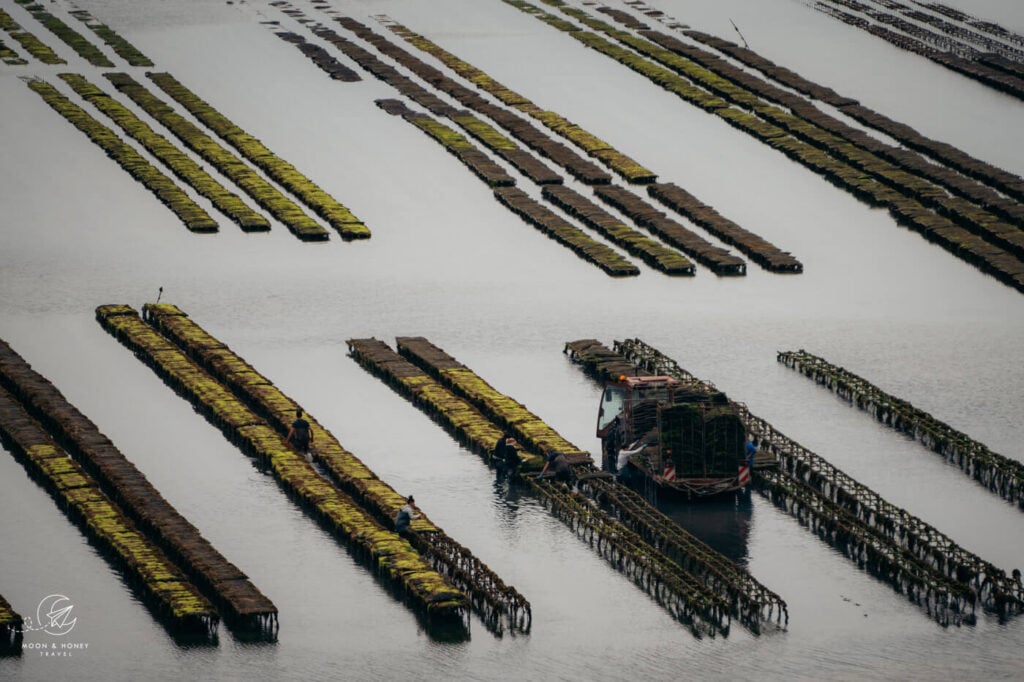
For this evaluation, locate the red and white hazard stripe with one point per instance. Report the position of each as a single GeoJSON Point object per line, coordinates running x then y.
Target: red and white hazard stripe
{"type": "Point", "coordinates": [670, 471]}
{"type": "Point", "coordinates": [744, 475]}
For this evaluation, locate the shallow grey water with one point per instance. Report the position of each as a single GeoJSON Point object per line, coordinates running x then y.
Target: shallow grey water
{"type": "Point", "coordinates": [447, 262]}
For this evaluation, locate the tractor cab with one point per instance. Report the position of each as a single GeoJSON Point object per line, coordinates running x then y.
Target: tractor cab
{"type": "Point", "coordinates": [623, 397]}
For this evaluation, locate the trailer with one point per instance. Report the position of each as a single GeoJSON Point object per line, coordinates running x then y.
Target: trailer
{"type": "Point", "coordinates": [673, 438]}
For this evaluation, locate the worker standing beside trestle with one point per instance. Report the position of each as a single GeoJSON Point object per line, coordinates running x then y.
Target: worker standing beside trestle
{"type": "Point", "coordinates": [505, 455]}
{"type": "Point", "coordinates": [406, 515]}
{"type": "Point", "coordinates": [300, 436]}
{"type": "Point", "coordinates": [559, 466]}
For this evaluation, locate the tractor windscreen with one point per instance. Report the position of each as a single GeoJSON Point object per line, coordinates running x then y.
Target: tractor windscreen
{"type": "Point", "coordinates": [611, 406]}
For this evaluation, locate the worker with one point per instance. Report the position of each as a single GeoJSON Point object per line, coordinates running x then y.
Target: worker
{"type": "Point", "coordinates": [559, 465]}
{"type": "Point", "coordinates": [751, 450]}
{"type": "Point", "coordinates": [506, 455]}
{"type": "Point", "coordinates": [623, 472]}
{"type": "Point", "coordinates": [300, 436]}
{"type": "Point", "coordinates": [406, 515]}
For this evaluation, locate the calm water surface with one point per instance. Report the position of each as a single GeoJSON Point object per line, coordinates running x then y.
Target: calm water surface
{"type": "Point", "coordinates": [448, 262]}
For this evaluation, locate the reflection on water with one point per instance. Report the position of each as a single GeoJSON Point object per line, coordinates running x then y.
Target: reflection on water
{"type": "Point", "coordinates": [723, 524]}
{"type": "Point", "coordinates": [507, 495]}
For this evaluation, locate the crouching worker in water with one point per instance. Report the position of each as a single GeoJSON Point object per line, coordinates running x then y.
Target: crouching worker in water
{"type": "Point", "coordinates": [506, 455]}
{"type": "Point", "coordinates": [559, 466]}
{"type": "Point", "coordinates": [406, 515]}
{"type": "Point", "coordinates": [300, 436]}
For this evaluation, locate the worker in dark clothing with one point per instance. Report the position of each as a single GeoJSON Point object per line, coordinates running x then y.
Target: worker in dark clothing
{"type": "Point", "coordinates": [300, 436]}
{"type": "Point", "coordinates": [406, 515]}
{"type": "Point", "coordinates": [506, 455]}
{"type": "Point", "coordinates": [559, 465]}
